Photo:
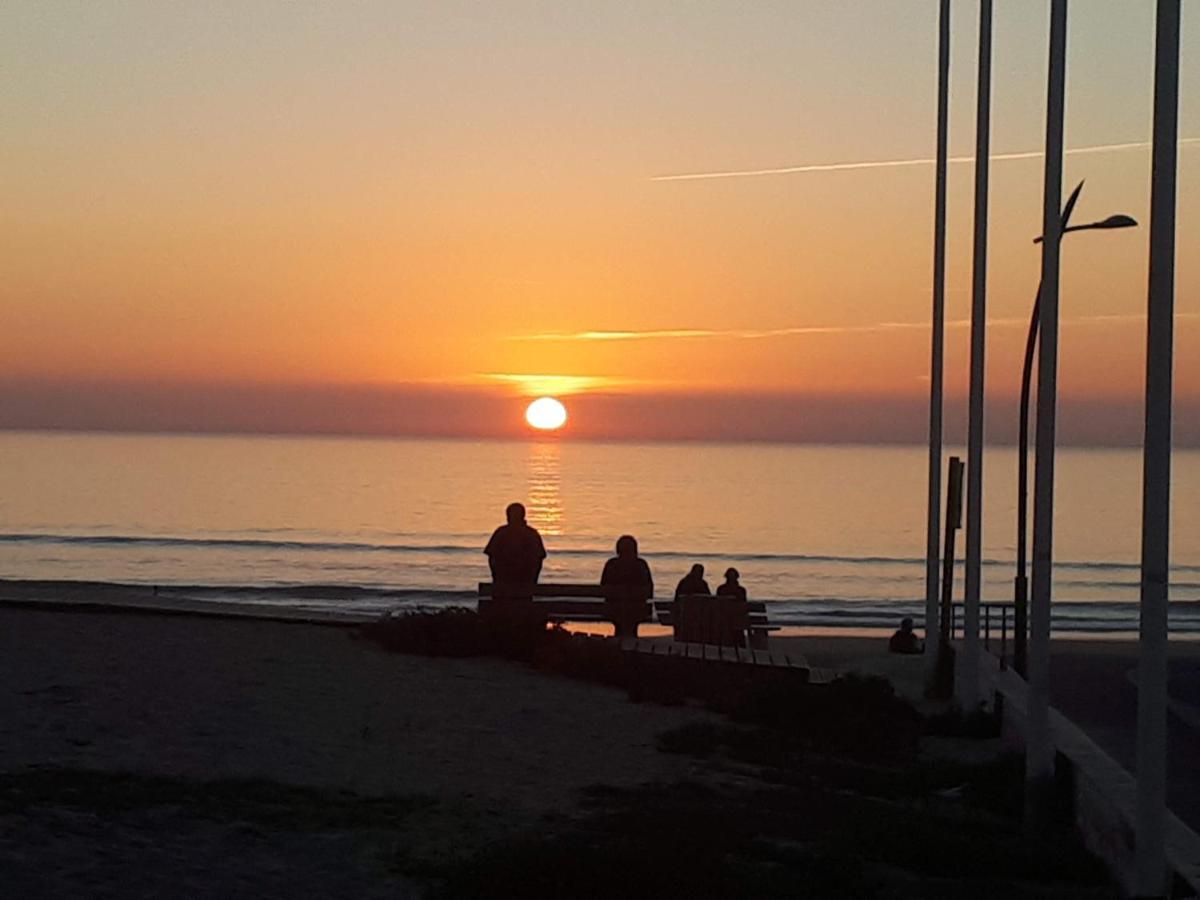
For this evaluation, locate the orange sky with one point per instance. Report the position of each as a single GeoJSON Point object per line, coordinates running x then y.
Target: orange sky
{"type": "Point", "coordinates": [446, 197]}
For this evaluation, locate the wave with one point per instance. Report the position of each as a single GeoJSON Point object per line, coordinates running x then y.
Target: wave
{"type": "Point", "coordinates": [356, 603]}
{"type": "Point", "coordinates": [318, 546]}
{"type": "Point", "coordinates": [102, 540]}
{"type": "Point", "coordinates": [281, 590]}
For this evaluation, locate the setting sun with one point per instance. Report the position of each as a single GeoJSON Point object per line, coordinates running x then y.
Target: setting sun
{"type": "Point", "coordinates": [546, 414]}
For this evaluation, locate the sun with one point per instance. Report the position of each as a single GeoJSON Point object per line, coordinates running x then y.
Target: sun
{"type": "Point", "coordinates": [546, 414]}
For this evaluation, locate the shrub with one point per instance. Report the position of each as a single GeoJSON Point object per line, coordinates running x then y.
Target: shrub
{"type": "Point", "coordinates": [455, 632]}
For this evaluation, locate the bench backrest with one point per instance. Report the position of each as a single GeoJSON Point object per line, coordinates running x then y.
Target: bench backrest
{"type": "Point", "coordinates": [668, 606]}
{"type": "Point", "coordinates": [710, 620]}
{"type": "Point", "coordinates": [632, 593]}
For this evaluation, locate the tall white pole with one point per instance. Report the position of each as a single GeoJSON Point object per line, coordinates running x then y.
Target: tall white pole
{"type": "Point", "coordinates": [968, 692]}
{"type": "Point", "coordinates": [1039, 754]}
{"type": "Point", "coordinates": [937, 352]}
{"type": "Point", "coordinates": [1156, 473]}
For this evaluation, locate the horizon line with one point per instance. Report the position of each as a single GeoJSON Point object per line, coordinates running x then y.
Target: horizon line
{"type": "Point", "coordinates": [539, 438]}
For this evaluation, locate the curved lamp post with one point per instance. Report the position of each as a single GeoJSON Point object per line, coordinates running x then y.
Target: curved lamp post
{"type": "Point", "coordinates": [1021, 584]}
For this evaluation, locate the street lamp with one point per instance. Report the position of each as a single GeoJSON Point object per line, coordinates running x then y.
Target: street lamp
{"type": "Point", "coordinates": [1021, 584]}
{"type": "Point", "coordinates": [1120, 220]}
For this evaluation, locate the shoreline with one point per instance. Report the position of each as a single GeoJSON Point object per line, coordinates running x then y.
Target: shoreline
{"type": "Point", "coordinates": [302, 604]}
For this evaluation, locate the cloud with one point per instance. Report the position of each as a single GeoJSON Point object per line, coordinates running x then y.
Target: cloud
{"type": "Point", "coordinates": [483, 412]}
{"type": "Point", "coordinates": [799, 330]}
{"type": "Point", "coordinates": [899, 163]}
{"type": "Point", "coordinates": [557, 385]}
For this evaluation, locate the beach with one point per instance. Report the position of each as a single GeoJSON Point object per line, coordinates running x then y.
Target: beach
{"type": "Point", "coordinates": [493, 744]}
{"type": "Point", "coordinates": [463, 752]}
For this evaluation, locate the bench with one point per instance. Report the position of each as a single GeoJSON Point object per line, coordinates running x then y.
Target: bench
{"type": "Point", "coordinates": [626, 607]}
{"type": "Point", "coordinates": [716, 620]}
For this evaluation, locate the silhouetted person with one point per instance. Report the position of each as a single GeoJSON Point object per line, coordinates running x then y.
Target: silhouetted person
{"type": "Point", "coordinates": [904, 641]}
{"type": "Point", "coordinates": [627, 568]}
{"type": "Point", "coordinates": [693, 583]}
{"type": "Point", "coordinates": [731, 588]}
{"type": "Point", "coordinates": [515, 551]}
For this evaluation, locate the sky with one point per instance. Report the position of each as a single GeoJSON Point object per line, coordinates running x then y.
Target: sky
{"type": "Point", "coordinates": [408, 218]}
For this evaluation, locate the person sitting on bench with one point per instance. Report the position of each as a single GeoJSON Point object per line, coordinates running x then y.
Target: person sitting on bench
{"type": "Point", "coordinates": [731, 588]}
{"type": "Point", "coordinates": [515, 551]}
{"type": "Point", "coordinates": [627, 568]}
{"type": "Point", "coordinates": [693, 583]}
{"type": "Point", "coordinates": [730, 629]}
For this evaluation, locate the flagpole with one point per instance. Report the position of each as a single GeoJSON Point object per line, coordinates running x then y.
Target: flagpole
{"type": "Point", "coordinates": [1039, 754]}
{"type": "Point", "coordinates": [968, 692]}
{"type": "Point", "coordinates": [1156, 475]}
{"type": "Point", "coordinates": [937, 357]}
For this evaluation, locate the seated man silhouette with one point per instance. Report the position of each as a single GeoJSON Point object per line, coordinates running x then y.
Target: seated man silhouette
{"type": "Point", "coordinates": [689, 617]}
{"type": "Point", "coordinates": [627, 568]}
{"type": "Point", "coordinates": [692, 583]}
{"type": "Point", "coordinates": [904, 641]}
{"type": "Point", "coordinates": [515, 551]}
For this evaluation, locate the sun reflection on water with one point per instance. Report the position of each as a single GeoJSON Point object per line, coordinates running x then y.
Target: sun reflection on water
{"type": "Point", "coordinates": [545, 483]}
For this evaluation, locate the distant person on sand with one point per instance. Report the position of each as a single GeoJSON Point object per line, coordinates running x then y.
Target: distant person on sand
{"type": "Point", "coordinates": [693, 583]}
{"type": "Point", "coordinates": [515, 551]}
{"type": "Point", "coordinates": [627, 568]}
{"type": "Point", "coordinates": [731, 588]}
{"type": "Point", "coordinates": [904, 641]}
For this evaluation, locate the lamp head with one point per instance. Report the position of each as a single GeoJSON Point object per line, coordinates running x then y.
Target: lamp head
{"type": "Point", "coordinates": [1118, 221]}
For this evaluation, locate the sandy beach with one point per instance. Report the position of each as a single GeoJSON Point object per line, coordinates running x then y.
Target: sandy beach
{"type": "Point", "coordinates": [454, 754]}
{"type": "Point", "coordinates": [494, 744]}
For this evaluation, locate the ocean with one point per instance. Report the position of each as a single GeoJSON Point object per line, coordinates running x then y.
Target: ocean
{"type": "Point", "coordinates": [827, 535]}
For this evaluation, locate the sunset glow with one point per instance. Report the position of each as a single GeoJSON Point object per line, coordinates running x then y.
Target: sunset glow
{"type": "Point", "coordinates": [546, 414]}
{"type": "Point", "coordinates": [493, 229]}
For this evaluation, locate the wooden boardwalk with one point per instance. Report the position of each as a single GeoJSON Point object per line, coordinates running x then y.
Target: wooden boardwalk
{"type": "Point", "coordinates": [734, 656]}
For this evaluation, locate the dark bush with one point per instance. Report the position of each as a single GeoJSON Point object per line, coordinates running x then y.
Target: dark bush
{"type": "Point", "coordinates": [854, 714]}
{"type": "Point", "coordinates": [955, 723]}
{"type": "Point", "coordinates": [456, 632]}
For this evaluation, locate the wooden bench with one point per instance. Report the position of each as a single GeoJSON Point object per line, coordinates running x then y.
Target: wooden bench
{"type": "Point", "coordinates": [625, 607]}
{"type": "Point", "coordinates": [716, 620]}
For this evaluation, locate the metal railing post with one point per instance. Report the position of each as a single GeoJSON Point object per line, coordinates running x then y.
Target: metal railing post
{"type": "Point", "coordinates": [1004, 637]}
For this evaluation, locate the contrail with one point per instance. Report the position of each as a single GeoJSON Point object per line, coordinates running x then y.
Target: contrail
{"type": "Point", "coordinates": [703, 333]}
{"type": "Point", "coordinates": [759, 334]}
{"type": "Point", "coordinates": [901, 163]}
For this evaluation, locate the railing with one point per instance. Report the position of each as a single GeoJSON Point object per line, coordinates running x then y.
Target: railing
{"type": "Point", "coordinates": [991, 614]}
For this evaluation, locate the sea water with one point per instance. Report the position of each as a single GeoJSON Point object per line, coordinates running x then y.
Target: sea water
{"type": "Point", "coordinates": [828, 535]}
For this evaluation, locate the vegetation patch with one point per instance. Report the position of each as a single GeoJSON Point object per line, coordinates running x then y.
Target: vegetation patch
{"type": "Point", "coordinates": [255, 801]}
{"type": "Point", "coordinates": [954, 722]}
{"type": "Point", "coordinates": [817, 837]}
